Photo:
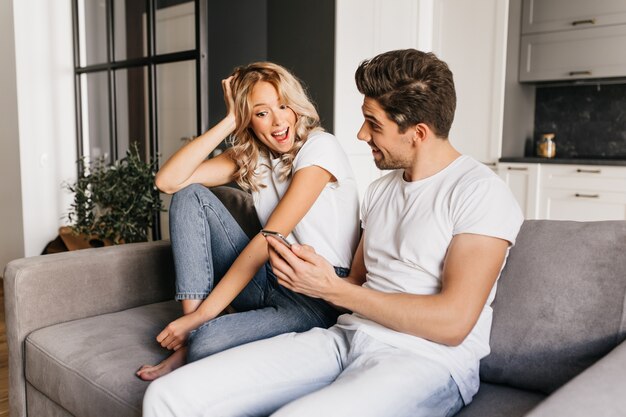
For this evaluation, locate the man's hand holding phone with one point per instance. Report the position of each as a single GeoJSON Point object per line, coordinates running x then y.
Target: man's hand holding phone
{"type": "Point", "coordinates": [300, 269]}
{"type": "Point", "coordinates": [277, 236]}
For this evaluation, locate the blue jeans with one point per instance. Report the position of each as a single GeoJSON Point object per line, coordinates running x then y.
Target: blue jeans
{"type": "Point", "coordinates": [334, 372]}
{"type": "Point", "coordinates": [206, 240]}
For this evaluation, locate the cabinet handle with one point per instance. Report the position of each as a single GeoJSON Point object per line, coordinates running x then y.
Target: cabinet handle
{"type": "Point", "coordinates": [517, 168]}
{"type": "Point", "coordinates": [572, 73]}
{"type": "Point", "coordinates": [584, 22]}
{"type": "Point", "coordinates": [589, 171]}
{"type": "Point", "coordinates": [587, 195]}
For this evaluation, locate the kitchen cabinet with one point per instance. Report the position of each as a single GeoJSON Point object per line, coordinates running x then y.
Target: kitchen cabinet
{"type": "Point", "coordinates": [555, 15]}
{"type": "Point", "coordinates": [522, 179]}
{"type": "Point", "coordinates": [567, 192]}
{"type": "Point", "coordinates": [575, 54]}
{"type": "Point", "coordinates": [582, 192]}
{"type": "Point", "coordinates": [572, 39]}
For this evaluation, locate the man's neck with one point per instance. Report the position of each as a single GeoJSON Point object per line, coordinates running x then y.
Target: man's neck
{"type": "Point", "coordinates": [432, 159]}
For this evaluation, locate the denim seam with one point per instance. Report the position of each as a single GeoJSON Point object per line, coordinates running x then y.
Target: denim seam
{"type": "Point", "coordinates": [191, 296]}
{"type": "Point", "coordinates": [230, 241]}
{"type": "Point", "coordinates": [208, 256]}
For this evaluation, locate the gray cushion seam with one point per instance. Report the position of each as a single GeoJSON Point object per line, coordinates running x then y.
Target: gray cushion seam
{"type": "Point", "coordinates": [20, 337]}
{"type": "Point", "coordinates": [89, 381]}
{"type": "Point", "coordinates": [622, 327]}
{"type": "Point", "coordinates": [49, 399]}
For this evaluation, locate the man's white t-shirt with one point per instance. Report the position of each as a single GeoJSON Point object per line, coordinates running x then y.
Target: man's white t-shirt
{"type": "Point", "coordinates": [331, 225]}
{"type": "Point", "coordinates": [408, 228]}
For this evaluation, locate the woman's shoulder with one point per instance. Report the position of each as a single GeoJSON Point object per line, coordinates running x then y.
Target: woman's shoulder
{"type": "Point", "coordinates": [320, 136]}
{"type": "Point", "coordinates": [323, 149]}
{"type": "Point", "coordinates": [320, 142]}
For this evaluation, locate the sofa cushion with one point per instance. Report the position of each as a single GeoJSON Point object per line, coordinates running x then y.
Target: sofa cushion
{"type": "Point", "coordinates": [89, 365]}
{"type": "Point", "coordinates": [40, 405]}
{"type": "Point", "coordinates": [500, 401]}
{"type": "Point", "coordinates": [241, 206]}
{"type": "Point", "coordinates": [559, 305]}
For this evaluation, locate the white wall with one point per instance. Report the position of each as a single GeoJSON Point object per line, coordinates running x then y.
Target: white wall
{"type": "Point", "coordinates": [471, 37]}
{"type": "Point", "coordinates": [11, 231]}
{"type": "Point", "coordinates": [365, 28]}
{"type": "Point", "coordinates": [45, 115]}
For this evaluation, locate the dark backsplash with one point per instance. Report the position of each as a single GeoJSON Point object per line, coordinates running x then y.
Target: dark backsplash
{"type": "Point", "coordinates": [589, 120]}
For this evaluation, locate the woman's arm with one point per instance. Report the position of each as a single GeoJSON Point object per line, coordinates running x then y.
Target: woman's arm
{"type": "Point", "coordinates": [306, 186]}
{"type": "Point", "coordinates": [189, 164]}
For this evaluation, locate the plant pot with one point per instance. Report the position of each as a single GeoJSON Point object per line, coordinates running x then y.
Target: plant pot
{"type": "Point", "coordinates": [73, 241]}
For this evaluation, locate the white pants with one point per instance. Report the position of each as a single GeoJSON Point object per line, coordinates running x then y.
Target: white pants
{"type": "Point", "coordinates": [334, 372]}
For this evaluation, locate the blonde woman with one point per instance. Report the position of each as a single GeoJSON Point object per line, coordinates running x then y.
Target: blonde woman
{"type": "Point", "coordinates": [302, 187]}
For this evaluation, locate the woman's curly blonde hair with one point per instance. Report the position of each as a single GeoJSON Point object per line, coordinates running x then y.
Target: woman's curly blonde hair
{"type": "Point", "coordinates": [246, 148]}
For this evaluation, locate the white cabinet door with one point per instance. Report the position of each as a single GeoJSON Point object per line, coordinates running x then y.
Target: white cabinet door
{"type": "Point", "coordinates": [471, 37]}
{"type": "Point", "coordinates": [577, 54]}
{"type": "Point", "coordinates": [522, 179]}
{"type": "Point", "coordinates": [582, 193]}
{"type": "Point", "coordinates": [555, 15]}
{"type": "Point", "coordinates": [563, 204]}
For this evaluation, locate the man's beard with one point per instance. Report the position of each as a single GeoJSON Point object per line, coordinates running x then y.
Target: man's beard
{"type": "Point", "coordinates": [386, 162]}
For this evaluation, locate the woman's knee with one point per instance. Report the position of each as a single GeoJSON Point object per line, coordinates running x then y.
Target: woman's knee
{"type": "Point", "coordinates": [193, 193]}
{"type": "Point", "coordinates": [194, 196]}
{"type": "Point", "coordinates": [202, 344]}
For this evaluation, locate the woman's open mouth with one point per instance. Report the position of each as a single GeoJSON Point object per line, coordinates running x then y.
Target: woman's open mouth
{"type": "Point", "coordinates": [281, 136]}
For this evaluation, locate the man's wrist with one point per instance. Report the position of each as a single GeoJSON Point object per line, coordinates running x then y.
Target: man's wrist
{"type": "Point", "coordinates": [337, 291]}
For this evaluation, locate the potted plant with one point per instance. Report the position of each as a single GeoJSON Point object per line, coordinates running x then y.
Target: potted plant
{"type": "Point", "coordinates": [113, 204]}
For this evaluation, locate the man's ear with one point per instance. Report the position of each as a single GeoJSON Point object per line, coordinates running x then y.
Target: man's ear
{"type": "Point", "coordinates": [420, 132]}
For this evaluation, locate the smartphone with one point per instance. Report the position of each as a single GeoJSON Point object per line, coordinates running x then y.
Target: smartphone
{"type": "Point", "coordinates": [277, 236]}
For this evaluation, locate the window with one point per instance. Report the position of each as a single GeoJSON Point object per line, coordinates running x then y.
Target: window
{"type": "Point", "coordinates": [141, 77]}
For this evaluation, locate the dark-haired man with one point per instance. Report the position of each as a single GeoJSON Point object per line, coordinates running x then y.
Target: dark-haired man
{"type": "Point", "coordinates": [437, 230]}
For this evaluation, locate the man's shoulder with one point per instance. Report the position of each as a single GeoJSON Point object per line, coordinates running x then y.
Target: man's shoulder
{"type": "Point", "coordinates": [468, 172]}
{"type": "Point", "coordinates": [472, 168]}
{"type": "Point", "coordinates": [383, 182]}
{"type": "Point", "coordinates": [380, 187]}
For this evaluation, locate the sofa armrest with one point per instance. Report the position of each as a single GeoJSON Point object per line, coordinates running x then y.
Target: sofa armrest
{"type": "Point", "coordinates": [598, 391]}
{"type": "Point", "coordinates": [44, 290]}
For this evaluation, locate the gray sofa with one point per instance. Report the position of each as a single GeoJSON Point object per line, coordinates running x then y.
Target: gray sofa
{"type": "Point", "coordinates": [79, 324]}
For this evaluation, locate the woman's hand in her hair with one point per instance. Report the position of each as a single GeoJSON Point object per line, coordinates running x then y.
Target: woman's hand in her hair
{"type": "Point", "coordinates": [229, 98]}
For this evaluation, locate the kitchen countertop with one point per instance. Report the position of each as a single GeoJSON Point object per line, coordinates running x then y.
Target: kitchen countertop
{"type": "Point", "coordinates": [568, 161]}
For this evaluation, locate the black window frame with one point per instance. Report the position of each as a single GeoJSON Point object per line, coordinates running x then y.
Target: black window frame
{"type": "Point", "coordinates": [150, 62]}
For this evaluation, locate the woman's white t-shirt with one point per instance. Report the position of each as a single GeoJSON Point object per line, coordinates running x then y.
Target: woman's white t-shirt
{"type": "Point", "coordinates": [408, 227]}
{"type": "Point", "coordinates": [331, 225]}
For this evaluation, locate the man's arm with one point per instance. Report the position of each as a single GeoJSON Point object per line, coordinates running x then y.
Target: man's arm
{"type": "Point", "coordinates": [471, 267]}
{"type": "Point", "coordinates": [357, 268]}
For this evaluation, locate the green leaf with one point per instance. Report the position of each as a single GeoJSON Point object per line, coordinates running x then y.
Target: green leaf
{"type": "Point", "coordinates": [117, 202]}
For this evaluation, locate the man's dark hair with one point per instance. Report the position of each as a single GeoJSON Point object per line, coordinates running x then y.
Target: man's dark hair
{"type": "Point", "coordinates": [412, 87]}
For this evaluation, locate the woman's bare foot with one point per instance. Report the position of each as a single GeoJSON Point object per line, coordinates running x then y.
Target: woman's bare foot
{"type": "Point", "coordinates": [174, 361]}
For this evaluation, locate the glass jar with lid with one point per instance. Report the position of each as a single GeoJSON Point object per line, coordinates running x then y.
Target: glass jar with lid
{"type": "Point", "coordinates": [546, 148]}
